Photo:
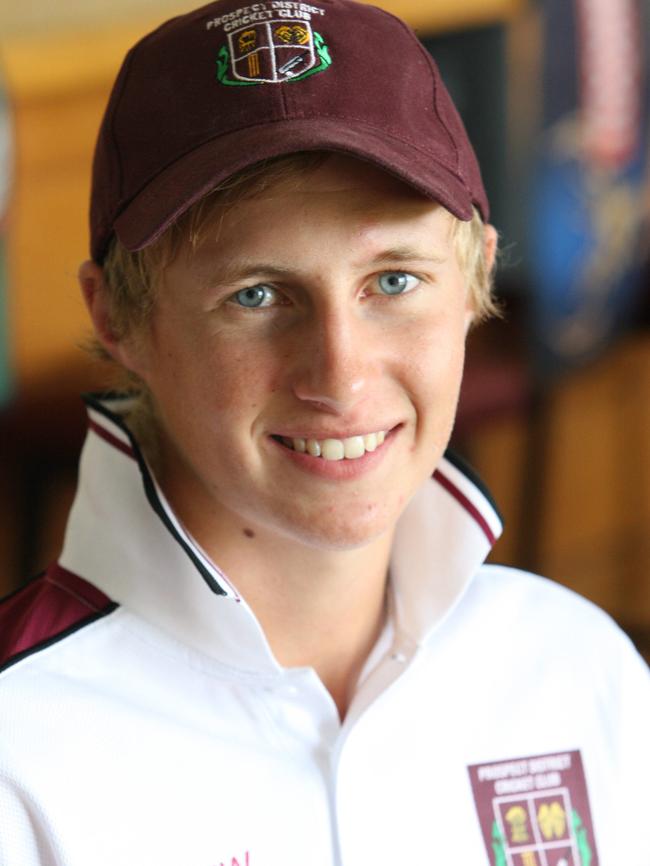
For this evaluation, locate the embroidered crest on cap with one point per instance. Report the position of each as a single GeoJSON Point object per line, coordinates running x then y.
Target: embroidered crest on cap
{"type": "Point", "coordinates": [272, 52]}
{"type": "Point", "coordinates": [535, 811]}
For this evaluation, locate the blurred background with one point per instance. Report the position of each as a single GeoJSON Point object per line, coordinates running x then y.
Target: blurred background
{"type": "Point", "coordinates": [555, 410]}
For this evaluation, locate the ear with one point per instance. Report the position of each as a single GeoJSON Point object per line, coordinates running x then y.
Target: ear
{"type": "Point", "coordinates": [490, 239]}
{"type": "Point", "coordinates": [93, 289]}
{"type": "Point", "coordinates": [490, 244]}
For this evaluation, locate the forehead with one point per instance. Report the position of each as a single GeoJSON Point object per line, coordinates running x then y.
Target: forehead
{"type": "Point", "coordinates": [360, 199]}
{"type": "Point", "coordinates": [332, 174]}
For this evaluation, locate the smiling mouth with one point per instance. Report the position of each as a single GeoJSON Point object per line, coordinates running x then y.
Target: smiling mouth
{"type": "Point", "coordinates": [335, 449]}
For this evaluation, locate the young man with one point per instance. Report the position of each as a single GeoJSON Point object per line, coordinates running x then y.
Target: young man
{"type": "Point", "coordinates": [270, 638]}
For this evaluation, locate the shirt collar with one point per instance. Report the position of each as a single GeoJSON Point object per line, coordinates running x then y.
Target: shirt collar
{"type": "Point", "coordinates": [442, 538]}
{"type": "Point", "coordinates": [123, 537]}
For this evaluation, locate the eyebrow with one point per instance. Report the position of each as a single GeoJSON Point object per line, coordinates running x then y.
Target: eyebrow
{"type": "Point", "coordinates": [243, 270]}
{"type": "Point", "coordinates": [407, 254]}
{"type": "Point", "coordinates": [240, 271]}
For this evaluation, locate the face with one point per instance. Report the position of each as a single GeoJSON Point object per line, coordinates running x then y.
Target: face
{"type": "Point", "coordinates": [323, 317]}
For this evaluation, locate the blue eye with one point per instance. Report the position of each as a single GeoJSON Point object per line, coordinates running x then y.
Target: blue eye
{"type": "Point", "coordinates": [255, 296]}
{"type": "Point", "coordinates": [396, 282]}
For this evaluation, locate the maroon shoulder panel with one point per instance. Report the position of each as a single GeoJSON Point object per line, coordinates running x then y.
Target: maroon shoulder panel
{"type": "Point", "coordinates": [48, 607]}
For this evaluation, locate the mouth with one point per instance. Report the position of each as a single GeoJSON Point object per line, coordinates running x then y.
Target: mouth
{"type": "Point", "coordinates": [351, 448]}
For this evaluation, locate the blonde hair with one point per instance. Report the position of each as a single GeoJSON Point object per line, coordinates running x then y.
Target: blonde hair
{"type": "Point", "coordinates": [131, 278]}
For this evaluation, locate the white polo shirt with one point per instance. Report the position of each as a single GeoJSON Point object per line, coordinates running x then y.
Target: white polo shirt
{"type": "Point", "coordinates": [144, 720]}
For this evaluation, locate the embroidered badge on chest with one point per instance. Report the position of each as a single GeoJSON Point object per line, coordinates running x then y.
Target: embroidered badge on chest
{"type": "Point", "coordinates": [535, 811]}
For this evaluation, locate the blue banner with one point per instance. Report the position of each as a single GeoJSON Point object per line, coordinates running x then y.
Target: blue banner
{"type": "Point", "coordinates": [586, 244]}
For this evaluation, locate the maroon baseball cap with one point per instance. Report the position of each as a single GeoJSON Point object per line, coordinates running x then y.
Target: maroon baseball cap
{"type": "Point", "coordinates": [229, 85]}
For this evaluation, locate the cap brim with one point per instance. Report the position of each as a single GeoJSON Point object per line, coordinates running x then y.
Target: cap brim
{"type": "Point", "coordinates": [178, 187]}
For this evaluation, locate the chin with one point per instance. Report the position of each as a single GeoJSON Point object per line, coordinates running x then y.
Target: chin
{"type": "Point", "coordinates": [340, 531]}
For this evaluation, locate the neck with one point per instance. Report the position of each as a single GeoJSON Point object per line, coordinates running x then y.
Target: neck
{"type": "Point", "coordinates": [319, 609]}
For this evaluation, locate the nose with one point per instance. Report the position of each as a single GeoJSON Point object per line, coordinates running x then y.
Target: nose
{"type": "Point", "coordinates": [335, 362]}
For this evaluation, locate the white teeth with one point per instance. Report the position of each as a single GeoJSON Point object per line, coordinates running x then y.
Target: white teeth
{"type": "Point", "coordinates": [337, 449]}
{"type": "Point", "coordinates": [313, 446]}
{"type": "Point", "coordinates": [354, 447]}
{"type": "Point", "coordinates": [332, 449]}
{"type": "Point", "coordinates": [370, 441]}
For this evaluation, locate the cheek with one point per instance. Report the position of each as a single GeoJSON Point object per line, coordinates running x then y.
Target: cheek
{"type": "Point", "coordinates": [434, 376]}
{"type": "Point", "coordinates": [214, 376]}
{"type": "Point", "coordinates": [437, 356]}
{"type": "Point", "coordinates": [237, 380]}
